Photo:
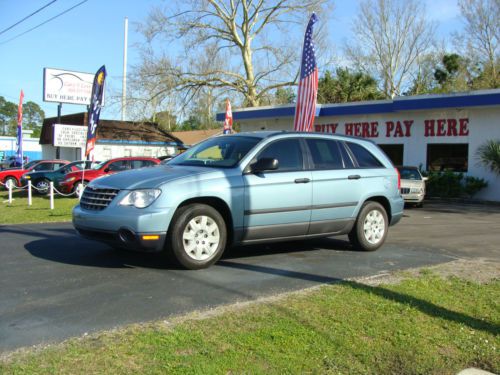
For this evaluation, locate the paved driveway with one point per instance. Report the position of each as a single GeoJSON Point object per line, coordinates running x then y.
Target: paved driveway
{"type": "Point", "coordinates": [55, 285]}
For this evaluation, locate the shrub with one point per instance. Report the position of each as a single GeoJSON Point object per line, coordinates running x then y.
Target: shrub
{"type": "Point", "coordinates": [453, 185]}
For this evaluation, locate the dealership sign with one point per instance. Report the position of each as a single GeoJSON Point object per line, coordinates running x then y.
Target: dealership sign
{"type": "Point", "coordinates": [70, 136]}
{"type": "Point", "coordinates": [64, 86]}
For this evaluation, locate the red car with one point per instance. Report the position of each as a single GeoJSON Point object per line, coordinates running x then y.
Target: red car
{"type": "Point", "coordinates": [13, 175]}
{"type": "Point", "coordinates": [71, 180]}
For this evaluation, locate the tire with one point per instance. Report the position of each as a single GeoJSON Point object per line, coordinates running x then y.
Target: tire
{"type": "Point", "coordinates": [10, 180]}
{"type": "Point", "coordinates": [75, 186]}
{"type": "Point", "coordinates": [42, 186]}
{"type": "Point", "coordinates": [197, 236]}
{"type": "Point", "coordinates": [370, 230]}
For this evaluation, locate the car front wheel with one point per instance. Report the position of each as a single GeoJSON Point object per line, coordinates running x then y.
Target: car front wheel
{"type": "Point", "coordinates": [370, 230]}
{"type": "Point", "coordinates": [198, 236]}
{"type": "Point", "coordinates": [42, 186]}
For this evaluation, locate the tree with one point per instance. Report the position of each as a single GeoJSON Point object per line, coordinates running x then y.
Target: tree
{"type": "Point", "coordinates": [482, 37]}
{"type": "Point", "coordinates": [33, 117]}
{"type": "Point", "coordinates": [284, 95]}
{"type": "Point", "coordinates": [488, 155]}
{"type": "Point", "coordinates": [347, 87]}
{"type": "Point", "coordinates": [226, 46]}
{"type": "Point", "coordinates": [8, 117]}
{"type": "Point", "coordinates": [391, 35]}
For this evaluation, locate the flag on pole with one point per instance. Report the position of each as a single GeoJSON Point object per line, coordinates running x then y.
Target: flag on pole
{"type": "Point", "coordinates": [19, 139]}
{"type": "Point", "coordinates": [95, 111]}
{"type": "Point", "coordinates": [305, 108]}
{"type": "Point", "coordinates": [228, 122]}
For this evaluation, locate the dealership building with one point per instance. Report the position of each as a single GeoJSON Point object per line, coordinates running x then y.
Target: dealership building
{"type": "Point", "coordinates": [65, 138]}
{"type": "Point", "coordinates": [436, 132]}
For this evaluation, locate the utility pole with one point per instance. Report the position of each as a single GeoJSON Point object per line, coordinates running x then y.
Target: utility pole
{"type": "Point", "coordinates": [124, 82]}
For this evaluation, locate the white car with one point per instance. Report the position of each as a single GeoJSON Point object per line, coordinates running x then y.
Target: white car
{"type": "Point", "coordinates": [412, 185]}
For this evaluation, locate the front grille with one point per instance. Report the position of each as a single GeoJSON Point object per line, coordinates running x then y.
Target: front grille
{"type": "Point", "coordinates": [405, 190]}
{"type": "Point", "coordinates": [95, 199]}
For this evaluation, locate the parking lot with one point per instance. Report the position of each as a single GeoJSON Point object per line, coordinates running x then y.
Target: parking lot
{"type": "Point", "coordinates": [56, 285]}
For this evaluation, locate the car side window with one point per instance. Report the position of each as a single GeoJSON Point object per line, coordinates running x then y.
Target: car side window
{"type": "Point", "coordinates": [117, 166]}
{"type": "Point", "coordinates": [325, 154]}
{"type": "Point", "coordinates": [147, 163]}
{"type": "Point", "coordinates": [364, 157]}
{"type": "Point", "coordinates": [43, 167]}
{"type": "Point", "coordinates": [288, 152]}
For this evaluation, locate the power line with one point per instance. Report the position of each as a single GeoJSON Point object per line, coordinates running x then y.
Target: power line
{"type": "Point", "coordinates": [43, 23]}
{"type": "Point", "coordinates": [28, 16]}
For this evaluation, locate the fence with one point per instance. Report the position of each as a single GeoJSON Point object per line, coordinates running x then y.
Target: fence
{"type": "Point", "coordinates": [52, 191]}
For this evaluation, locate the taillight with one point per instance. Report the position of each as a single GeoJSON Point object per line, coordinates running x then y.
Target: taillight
{"type": "Point", "coordinates": [399, 179]}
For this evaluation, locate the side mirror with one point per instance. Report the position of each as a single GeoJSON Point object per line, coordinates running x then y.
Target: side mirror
{"type": "Point", "coordinates": [107, 170]}
{"type": "Point", "coordinates": [264, 164]}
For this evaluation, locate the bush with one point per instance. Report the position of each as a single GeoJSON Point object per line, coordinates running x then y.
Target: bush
{"type": "Point", "coordinates": [453, 185]}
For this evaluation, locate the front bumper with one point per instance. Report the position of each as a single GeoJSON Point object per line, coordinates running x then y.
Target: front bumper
{"type": "Point", "coordinates": [127, 227]}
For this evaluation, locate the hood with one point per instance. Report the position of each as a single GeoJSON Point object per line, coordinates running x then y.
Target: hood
{"type": "Point", "coordinates": [151, 177]}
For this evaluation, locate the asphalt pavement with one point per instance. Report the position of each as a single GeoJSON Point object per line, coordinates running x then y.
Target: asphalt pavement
{"type": "Point", "coordinates": [56, 285]}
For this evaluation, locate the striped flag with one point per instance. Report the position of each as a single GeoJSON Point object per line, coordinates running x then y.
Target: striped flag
{"type": "Point", "coordinates": [228, 122]}
{"type": "Point", "coordinates": [19, 139]}
{"type": "Point", "coordinates": [95, 111]}
{"type": "Point", "coordinates": [308, 84]}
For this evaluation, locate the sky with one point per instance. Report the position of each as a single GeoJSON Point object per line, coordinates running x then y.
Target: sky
{"type": "Point", "coordinates": [92, 34]}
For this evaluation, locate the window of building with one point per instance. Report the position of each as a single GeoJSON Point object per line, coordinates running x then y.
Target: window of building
{"type": "Point", "coordinates": [394, 152]}
{"type": "Point", "coordinates": [364, 157]}
{"type": "Point", "coordinates": [448, 157]}
{"type": "Point", "coordinates": [325, 154]}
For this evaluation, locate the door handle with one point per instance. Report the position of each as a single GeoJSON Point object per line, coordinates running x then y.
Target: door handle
{"type": "Point", "coordinates": [302, 180]}
{"type": "Point", "coordinates": [354, 177]}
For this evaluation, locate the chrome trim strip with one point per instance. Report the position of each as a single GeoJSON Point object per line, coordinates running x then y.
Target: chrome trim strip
{"type": "Point", "coordinates": [299, 208]}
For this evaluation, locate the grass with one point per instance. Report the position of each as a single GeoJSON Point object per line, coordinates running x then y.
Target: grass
{"type": "Point", "coordinates": [39, 212]}
{"type": "Point", "coordinates": [424, 325]}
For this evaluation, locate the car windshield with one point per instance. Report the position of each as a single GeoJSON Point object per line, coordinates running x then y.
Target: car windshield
{"type": "Point", "coordinates": [99, 165]}
{"type": "Point", "coordinates": [31, 164]}
{"type": "Point", "coordinates": [409, 174]}
{"type": "Point", "coordinates": [225, 152]}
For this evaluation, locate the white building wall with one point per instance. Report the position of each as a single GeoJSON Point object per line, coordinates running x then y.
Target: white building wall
{"type": "Point", "coordinates": [478, 125]}
{"type": "Point", "coordinates": [108, 151]}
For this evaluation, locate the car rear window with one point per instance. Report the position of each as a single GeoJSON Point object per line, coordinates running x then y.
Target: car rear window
{"type": "Point", "coordinates": [364, 157]}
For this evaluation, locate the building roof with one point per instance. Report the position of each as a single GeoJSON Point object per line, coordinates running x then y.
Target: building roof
{"type": "Point", "coordinates": [113, 131]}
{"type": "Point", "coordinates": [398, 104]}
{"type": "Point", "coordinates": [192, 137]}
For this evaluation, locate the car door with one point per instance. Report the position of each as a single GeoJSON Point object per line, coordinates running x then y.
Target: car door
{"type": "Point", "coordinates": [336, 186]}
{"type": "Point", "coordinates": [278, 202]}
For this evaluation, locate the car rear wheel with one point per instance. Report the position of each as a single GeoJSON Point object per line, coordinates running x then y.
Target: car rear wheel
{"type": "Point", "coordinates": [370, 230]}
{"type": "Point", "coordinates": [197, 237]}
{"type": "Point", "coordinates": [42, 186]}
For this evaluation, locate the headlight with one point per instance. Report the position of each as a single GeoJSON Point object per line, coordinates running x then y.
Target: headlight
{"type": "Point", "coordinates": [70, 179]}
{"type": "Point", "coordinates": [140, 198]}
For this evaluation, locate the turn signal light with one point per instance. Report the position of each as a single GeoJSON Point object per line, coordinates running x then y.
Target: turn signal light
{"type": "Point", "coordinates": [150, 237]}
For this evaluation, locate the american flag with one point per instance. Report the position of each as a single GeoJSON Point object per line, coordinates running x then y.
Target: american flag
{"type": "Point", "coordinates": [308, 84]}
{"type": "Point", "coordinates": [95, 111]}
{"type": "Point", "coordinates": [228, 122]}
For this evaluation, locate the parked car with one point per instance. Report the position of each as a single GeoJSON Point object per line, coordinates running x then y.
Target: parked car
{"type": "Point", "coordinates": [247, 188]}
{"type": "Point", "coordinates": [10, 162]}
{"type": "Point", "coordinates": [72, 179]}
{"type": "Point", "coordinates": [13, 175]}
{"type": "Point", "coordinates": [41, 179]}
{"type": "Point", "coordinates": [412, 185]}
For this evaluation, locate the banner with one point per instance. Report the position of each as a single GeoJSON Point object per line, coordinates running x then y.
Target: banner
{"type": "Point", "coordinates": [19, 139]}
{"type": "Point", "coordinates": [95, 111]}
{"type": "Point", "coordinates": [228, 122]}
